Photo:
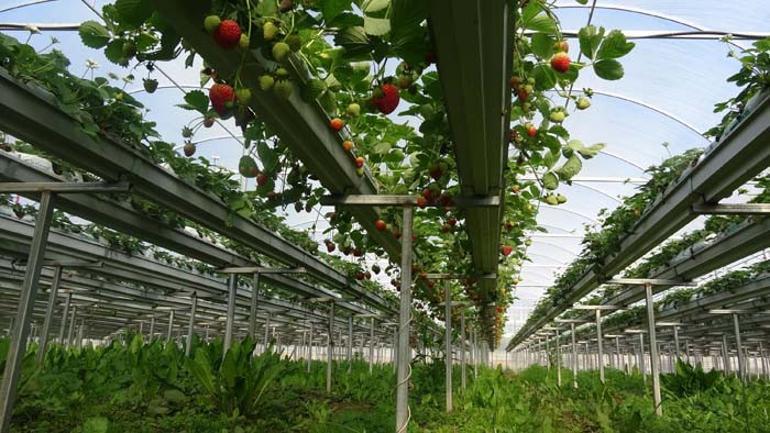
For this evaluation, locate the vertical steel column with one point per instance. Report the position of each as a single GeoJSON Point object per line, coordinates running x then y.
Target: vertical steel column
{"type": "Point", "coordinates": [191, 324]}
{"type": "Point", "coordinates": [448, 344]}
{"type": "Point", "coordinates": [558, 359]}
{"type": "Point", "coordinates": [394, 350]}
{"type": "Point", "coordinates": [266, 338]}
{"type": "Point", "coordinates": [232, 287]}
{"type": "Point", "coordinates": [475, 355]}
{"type": "Point", "coordinates": [741, 355]}
{"type": "Point", "coordinates": [371, 345]}
{"type": "Point", "coordinates": [642, 366]}
{"type": "Point", "coordinates": [619, 365]}
{"type": "Point", "coordinates": [762, 359]}
{"type": "Point", "coordinates": [81, 329]}
{"type": "Point", "coordinates": [48, 314]}
{"type": "Point", "coordinates": [404, 367]}
{"type": "Point", "coordinates": [152, 327]}
{"type": "Point", "coordinates": [24, 313]}
{"type": "Point", "coordinates": [726, 355]}
{"type": "Point", "coordinates": [65, 313]}
{"type": "Point", "coordinates": [676, 342]}
{"type": "Point", "coordinates": [600, 347]}
{"type": "Point", "coordinates": [350, 343]}
{"type": "Point", "coordinates": [463, 378]}
{"type": "Point", "coordinates": [654, 359]}
{"type": "Point", "coordinates": [170, 325]}
{"type": "Point", "coordinates": [254, 307]}
{"type": "Point", "coordinates": [71, 330]}
{"type": "Point", "coordinates": [329, 349]}
{"type": "Point", "coordinates": [310, 346]}
{"type": "Point", "coordinates": [574, 356]}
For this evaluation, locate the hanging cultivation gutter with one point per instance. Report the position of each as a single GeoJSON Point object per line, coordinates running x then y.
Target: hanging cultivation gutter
{"type": "Point", "coordinates": [30, 115]}
{"type": "Point", "coordinates": [101, 210]}
{"type": "Point", "coordinates": [474, 46]}
{"type": "Point", "coordinates": [302, 126]}
{"type": "Point", "coordinates": [741, 154]}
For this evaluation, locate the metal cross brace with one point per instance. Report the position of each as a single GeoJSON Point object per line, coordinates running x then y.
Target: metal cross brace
{"type": "Point", "coordinates": [64, 187]}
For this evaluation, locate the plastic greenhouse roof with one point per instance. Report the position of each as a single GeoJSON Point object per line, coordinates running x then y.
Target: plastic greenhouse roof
{"type": "Point", "coordinates": [660, 108]}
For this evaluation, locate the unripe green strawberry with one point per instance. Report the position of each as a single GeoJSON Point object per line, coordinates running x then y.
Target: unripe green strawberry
{"type": "Point", "coordinates": [150, 85]}
{"type": "Point", "coordinates": [315, 88]}
{"type": "Point", "coordinates": [269, 31]}
{"type": "Point", "coordinates": [558, 116]}
{"type": "Point", "coordinates": [211, 22]}
{"type": "Point", "coordinates": [266, 82]}
{"type": "Point", "coordinates": [243, 95]}
{"type": "Point", "coordinates": [244, 42]}
{"type": "Point", "coordinates": [295, 42]}
{"type": "Point", "coordinates": [353, 110]}
{"type": "Point", "coordinates": [281, 51]}
{"type": "Point", "coordinates": [281, 73]}
{"type": "Point", "coordinates": [283, 88]}
{"type": "Point", "coordinates": [583, 103]}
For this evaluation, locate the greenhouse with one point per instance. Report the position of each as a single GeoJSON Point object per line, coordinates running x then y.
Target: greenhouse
{"type": "Point", "coordinates": [410, 216]}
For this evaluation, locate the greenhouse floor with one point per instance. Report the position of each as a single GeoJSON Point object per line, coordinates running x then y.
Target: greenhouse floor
{"type": "Point", "coordinates": [156, 388]}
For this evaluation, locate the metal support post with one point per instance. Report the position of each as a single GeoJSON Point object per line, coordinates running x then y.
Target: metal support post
{"type": "Point", "coordinates": [329, 349]}
{"type": "Point", "coordinates": [599, 344]}
{"type": "Point", "coordinates": [71, 330]}
{"type": "Point", "coordinates": [266, 338]}
{"type": "Point", "coordinates": [65, 314]}
{"type": "Point", "coordinates": [191, 324]}
{"type": "Point", "coordinates": [448, 344]}
{"type": "Point", "coordinates": [170, 325]}
{"type": "Point", "coordinates": [350, 343]}
{"type": "Point", "coordinates": [310, 346]}
{"type": "Point", "coordinates": [232, 287]}
{"type": "Point", "coordinates": [558, 359]}
{"type": "Point", "coordinates": [725, 355]}
{"type": "Point", "coordinates": [741, 355]}
{"type": "Point", "coordinates": [404, 362]}
{"type": "Point", "coordinates": [152, 327]}
{"type": "Point", "coordinates": [24, 313]}
{"type": "Point", "coordinates": [676, 342]}
{"type": "Point", "coordinates": [254, 307]}
{"type": "Point", "coordinates": [654, 359]}
{"type": "Point", "coordinates": [463, 377]}
{"type": "Point", "coordinates": [371, 345]}
{"type": "Point", "coordinates": [48, 315]}
{"type": "Point", "coordinates": [574, 357]}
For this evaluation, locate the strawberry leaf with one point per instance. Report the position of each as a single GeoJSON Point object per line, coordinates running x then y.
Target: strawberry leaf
{"type": "Point", "coordinates": [609, 69]}
{"type": "Point", "coordinates": [94, 35]}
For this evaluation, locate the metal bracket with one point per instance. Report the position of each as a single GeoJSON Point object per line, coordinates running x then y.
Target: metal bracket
{"type": "Point", "coordinates": [64, 187]}
{"type": "Point", "coordinates": [261, 270]}
{"type": "Point", "coordinates": [404, 200]}
{"type": "Point", "coordinates": [650, 281]}
{"type": "Point", "coordinates": [597, 307]}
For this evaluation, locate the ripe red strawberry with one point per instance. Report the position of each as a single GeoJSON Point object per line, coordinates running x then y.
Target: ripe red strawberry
{"type": "Point", "coordinates": [560, 62]}
{"type": "Point", "coordinates": [386, 98]}
{"type": "Point", "coordinates": [330, 247]}
{"type": "Point", "coordinates": [220, 95]}
{"type": "Point", "coordinates": [506, 250]}
{"type": "Point", "coordinates": [336, 124]}
{"type": "Point", "coordinates": [380, 225]}
{"type": "Point", "coordinates": [262, 179]}
{"type": "Point", "coordinates": [360, 161]}
{"type": "Point", "coordinates": [421, 202]}
{"type": "Point", "coordinates": [360, 275]}
{"type": "Point", "coordinates": [347, 145]}
{"type": "Point", "coordinates": [228, 34]}
{"type": "Point", "coordinates": [531, 130]}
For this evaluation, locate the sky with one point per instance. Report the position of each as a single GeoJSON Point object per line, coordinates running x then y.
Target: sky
{"type": "Point", "coordinates": [681, 78]}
